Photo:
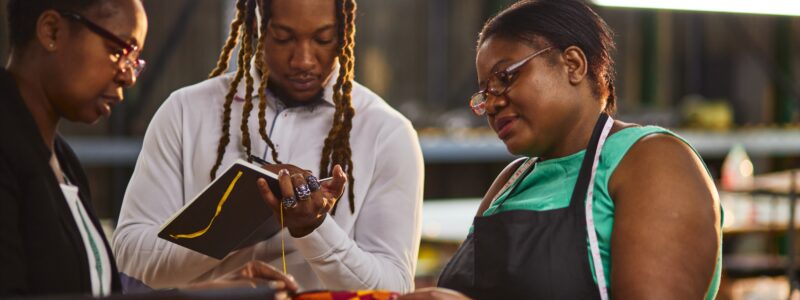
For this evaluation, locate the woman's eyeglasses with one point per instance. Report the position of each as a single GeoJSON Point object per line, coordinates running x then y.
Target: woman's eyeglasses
{"type": "Point", "coordinates": [126, 58]}
{"type": "Point", "coordinates": [499, 83]}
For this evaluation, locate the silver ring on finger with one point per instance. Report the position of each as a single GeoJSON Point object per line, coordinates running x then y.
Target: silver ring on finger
{"type": "Point", "coordinates": [302, 192]}
{"type": "Point", "coordinates": [289, 202]}
{"type": "Point", "coordinates": [313, 183]}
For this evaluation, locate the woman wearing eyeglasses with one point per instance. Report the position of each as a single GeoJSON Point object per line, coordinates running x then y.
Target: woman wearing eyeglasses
{"type": "Point", "coordinates": [70, 59]}
{"type": "Point", "coordinates": [598, 208]}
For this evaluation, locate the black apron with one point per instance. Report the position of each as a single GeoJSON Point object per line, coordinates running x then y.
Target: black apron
{"type": "Point", "coordinates": [525, 254]}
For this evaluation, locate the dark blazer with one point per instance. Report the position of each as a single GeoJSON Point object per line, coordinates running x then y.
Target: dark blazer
{"type": "Point", "coordinates": [41, 251]}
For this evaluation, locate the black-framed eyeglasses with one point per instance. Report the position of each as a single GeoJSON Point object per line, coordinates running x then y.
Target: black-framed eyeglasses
{"type": "Point", "coordinates": [127, 57]}
{"type": "Point", "coordinates": [499, 83]}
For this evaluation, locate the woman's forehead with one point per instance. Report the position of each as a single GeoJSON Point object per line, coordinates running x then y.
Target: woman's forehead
{"type": "Point", "coordinates": [124, 18]}
{"type": "Point", "coordinates": [497, 50]}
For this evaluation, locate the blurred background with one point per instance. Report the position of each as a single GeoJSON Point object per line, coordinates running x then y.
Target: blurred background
{"type": "Point", "coordinates": [728, 82]}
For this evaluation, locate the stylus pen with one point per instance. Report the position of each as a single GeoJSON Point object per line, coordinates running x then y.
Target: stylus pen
{"type": "Point", "coordinates": [261, 161]}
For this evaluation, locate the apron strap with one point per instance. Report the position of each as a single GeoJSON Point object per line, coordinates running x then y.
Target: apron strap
{"type": "Point", "coordinates": [585, 175]}
{"type": "Point", "coordinates": [515, 179]}
{"type": "Point", "coordinates": [584, 187]}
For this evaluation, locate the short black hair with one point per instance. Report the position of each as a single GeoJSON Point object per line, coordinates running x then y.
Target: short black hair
{"type": "Point", "coordinates": [561, 23]}
{"type": "Point", "coordinates": [23, 15]}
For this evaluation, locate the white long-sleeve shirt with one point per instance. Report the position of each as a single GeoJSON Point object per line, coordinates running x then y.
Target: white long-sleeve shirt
{"type": "Point", "coordinates": [374, 248]}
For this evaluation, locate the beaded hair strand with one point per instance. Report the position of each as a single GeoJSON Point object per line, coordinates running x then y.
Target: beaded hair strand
{"type": "Point", "coordinates": [327, 149]}
{"type": "Point", "coordinates": [247, 47]}
{"type": "Point", "coordinates": [262, 89]}
{"type": "Point", "coordinates": [245, 34]}
{"type": "Point", "coordinates": [230, 43]}
{"type": "Point", "coordinates": [339, 136]}
{"type": "Point", "coordinates": [226, 114]}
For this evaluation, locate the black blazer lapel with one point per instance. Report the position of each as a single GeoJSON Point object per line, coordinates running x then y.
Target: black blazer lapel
{"type": "Point", "coordinates": [29, 140]}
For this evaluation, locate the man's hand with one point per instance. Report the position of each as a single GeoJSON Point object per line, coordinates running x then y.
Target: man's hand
{"type": "Point", "coordinates": [313, 201]}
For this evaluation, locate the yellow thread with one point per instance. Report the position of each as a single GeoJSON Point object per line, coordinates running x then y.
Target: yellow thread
{"type": "Point", "coordinates": [219, 208]}
{"type": "Point", "coordinates": [283, 251]}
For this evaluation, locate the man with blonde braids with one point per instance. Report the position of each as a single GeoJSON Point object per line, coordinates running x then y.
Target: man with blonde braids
{"type": "Point", "coordinates": [296, 68]}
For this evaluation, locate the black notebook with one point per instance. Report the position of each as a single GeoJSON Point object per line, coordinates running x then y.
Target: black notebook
{"type": "Point", "coordinates": [229, 214]}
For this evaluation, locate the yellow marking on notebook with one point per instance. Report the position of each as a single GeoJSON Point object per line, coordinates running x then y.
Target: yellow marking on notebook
{"type": "Point", "coordinates": [219, 209]}
{"type": "Point", "coordinates": [283, 250]}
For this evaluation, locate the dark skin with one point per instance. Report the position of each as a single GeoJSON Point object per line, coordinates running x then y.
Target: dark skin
{"type": "Point", "coordinates": [301, 52]}
{"type": "Point", "coordinates": [69, 72]}
{"type": "Point", "coordinates": [253, 274]}
{"type": "Point", "coordinates": [301, 47]}
{"type": "Point", "coordinates": [548, 101]}
{"type": "Point", "coordinates": [665, 247]}
{"type": "Point", "coordinates": [665, 238]}
{"type": "Point", "coordinates": [308, 214]}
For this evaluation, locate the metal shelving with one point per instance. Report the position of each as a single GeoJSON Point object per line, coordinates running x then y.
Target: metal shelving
{"type": "Point", "coordinates": [445, 149]}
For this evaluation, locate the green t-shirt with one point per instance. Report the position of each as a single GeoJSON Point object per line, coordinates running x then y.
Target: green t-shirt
{"type": "Point", "coordinates": [550, 186]}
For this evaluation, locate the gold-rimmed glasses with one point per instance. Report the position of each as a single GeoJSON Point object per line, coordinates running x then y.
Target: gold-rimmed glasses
{"type": "Point", "coordinates": [499, 83]}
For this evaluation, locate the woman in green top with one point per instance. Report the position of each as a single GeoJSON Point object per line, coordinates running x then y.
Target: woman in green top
{"type": "Point", "coordinates": [633, 215]}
